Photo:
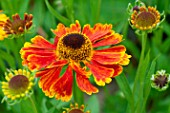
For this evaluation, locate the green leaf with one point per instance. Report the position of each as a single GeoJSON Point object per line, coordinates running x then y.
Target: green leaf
{"type": "Point", "coordinates": [125, 88]}
{"type": "Point", "coordinates": [139, 91]}
{"type": "Point", "coordinates": [51, 110]}
{"type": "Point", "coordinates": [23, 8]}
{"type": "Point", "coordinates": [56, 14]}
{"type": "Point", "coordinates": [165, 45]}
{"type": "Point", "coordinates": [68, 4]}
{"type": "Point", "coordinates": [147, 85]}
{"type": "Point", "coordinates": [95, 9]}
{"type": "Point", "coordinates": [7, 58]}
{"type": "Point", "coordinates": [93, 104]}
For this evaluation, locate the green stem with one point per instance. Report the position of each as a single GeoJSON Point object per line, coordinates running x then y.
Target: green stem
{"type": "Point", "coordinates": [140, 74]}
{"type": "Point", "coordinates": [33, 105]}
{"type": "Point", "coordinates": [144, 38]}
{"type": "Point", "coordinates": [78, 94]}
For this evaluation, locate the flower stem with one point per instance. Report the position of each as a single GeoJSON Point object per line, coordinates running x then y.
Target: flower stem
{"type": "Point", "coordinates": [140, 75]}
{"type": "Point", "coordinates": [144, 38]}
{"type": "Point", "coordinates": [78, 94]}
{"type": "Point", "coordinates": [33, 105]}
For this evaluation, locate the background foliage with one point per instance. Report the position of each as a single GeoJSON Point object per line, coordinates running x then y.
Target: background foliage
{"type": "Point", "coordinates": [113, 98]}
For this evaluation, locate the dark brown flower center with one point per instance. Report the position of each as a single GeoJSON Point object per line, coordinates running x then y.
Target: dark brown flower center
{"type": "Point", "coordinates": [76, 111]}
{"type": "Point", "coordinates": [136, 8]}
{"type": "Point", "coordinates": [19, 83]}
{"type": "Point", "coordinates": [74, 40]}
{"type": "Point", "coordinates": [16, 24]}
{"type": "Point", "coordinates": [145, 19]}
{"type": "Point", "coordinates": [161, 80]}
{"type": "Point", "coordinates": [74, 46]}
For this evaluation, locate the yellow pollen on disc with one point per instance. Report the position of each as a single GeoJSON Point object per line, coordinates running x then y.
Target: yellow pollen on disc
{"type": "Point", "coordinates": [74, 46]}
{"type": "Point", "coordinates": [145, 18]}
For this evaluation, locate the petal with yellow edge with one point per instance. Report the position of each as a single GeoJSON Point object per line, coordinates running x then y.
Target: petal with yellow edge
{"type": "Point", "coordinates": [101, 74]}
{"type": "Point", "coordinates": [117, 69]}
{"type": "Point", "coordinates": [110, 39]}
{"type": "Point", "coordinates": [48, 78]}
{"type": "Point", "coordinates": [38, 54]}
{"type": "Point", "coordinates": [85, 85]}
{"type": "Point", "coordinates": [98, 31]}
{"type": "Point", "coordinates": [74, 28]}
{"type": "Point", "coordinates": [82, 76]}
{"type": "Point", "coordinates": [40, 61]}
{"type": "Point", "coordinates": [125, 59]}
{"type": "Point", "coordinates": [63, 86]}
{"type": "Point", "coordinates": [40, 42]}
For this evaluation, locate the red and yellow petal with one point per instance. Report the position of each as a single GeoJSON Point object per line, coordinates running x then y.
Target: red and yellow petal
{"type": "Point", "coordinates": [106, 59]}
{"type": "Point", "coordinates": [80, 70]}
{"type": "Point", "coordinates": [48, 78]}
{"type": "Point", "coordinates": [101, 74]}
{"type": "Point", "coordinates": [118, 48]}
{"type": "Point", "coordinates": [82, 76]}
{"type": "Point", "coordinates": [40, 42]}
{"type": "Point", "coordinates": [62, 88]}
{"type": "Point", "coordinates": [85, 85]}
{"type": "Point", "coordinates": [61, 30]}
{"type": "Point", "coordinates": [117, 69]}
{"type": "Point", "coordinates": [38, 54]}
{"type": "Point", "coordinates": [98, 31]}
{"type": "Point", "coordinates": [74, 28]}
{"type": "Point", "coordinates": [125, 59]}
{"type": "Point", "coordinates": [109, 56]}
{"type": "Point", "coordinates": [109, 39]}
{"type": "Point", "coordinates": [57, 63]}
{"type": "Point", "coordinates": [40, 61]}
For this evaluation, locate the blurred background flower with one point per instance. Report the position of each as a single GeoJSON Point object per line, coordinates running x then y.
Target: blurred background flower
{"type": "Point", "coordinates": [18, 85]}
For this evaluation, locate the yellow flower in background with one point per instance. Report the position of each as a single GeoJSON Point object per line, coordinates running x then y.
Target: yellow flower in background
{"type": "Point", "coordinates": [76, 109]}
{"type": "Point", "coordinates": [3, 19]}
{"type": "Point", "coordinates": [18, 85]}
{"type": "Point", "coordinates": [144, 18]}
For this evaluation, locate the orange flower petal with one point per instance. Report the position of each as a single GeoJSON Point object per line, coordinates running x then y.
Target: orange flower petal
{"type": "Point", "coordinates": [98, 31]}
{"type": "Point", "coordinates": [117, 69]}
{"type": "Point", "coordinates": [38, 54]}
{"type": "Point", "coordinates": [48, 77]}
{"type": "Point", "coordinates": [106, 59]}
{"type": "Point", "coordinates": [40, 42]}
{"type": "Point", "coordinates": [85, 85]}
{"type": "Point", "coordinates": [101, 74]}
{"type": "Point", "coordinates": [59, 32]}
{"type": "Point", "coordinates": [119, 48]}
{"type": "Point", "coordinates": [125, 60]}
{"type": "Point", "coordinates": [58, 63]}
{"type": "Point", "coordinates": [63, 86]}
{"type": "Point", "coordinates": [82, 79]}
{"type": "Point", "coordinates": [108, 40]}
{"type": "Point", "coordinates": [109, 56]}
{"type": "Point", "coordinates": [80, 70]}
{"type": "Point", "coordinates": [74, 28]}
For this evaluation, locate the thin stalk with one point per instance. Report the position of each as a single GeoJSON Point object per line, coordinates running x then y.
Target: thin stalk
{"type": "Point", "coordinates": [142, 56]}
{"type": "Point", "coordinates": [78, 94]}
{"type": "Point", "coordinates": [140, 74]}
{"type": "Point", "coordinates": [33, 105]}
